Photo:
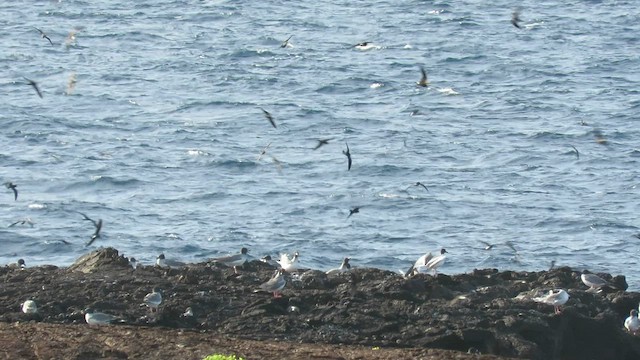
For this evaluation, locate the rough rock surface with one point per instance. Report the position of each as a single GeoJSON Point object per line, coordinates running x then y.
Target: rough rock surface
{"type": "Point", "coordinates": [487, 310]}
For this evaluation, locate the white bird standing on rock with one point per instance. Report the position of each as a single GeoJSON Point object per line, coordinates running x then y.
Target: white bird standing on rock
{"type": "Point", "coordinates": [29, 307]}
{"type": "Point", "coordinates": [557, 298]}
{"type": "Point", "coordinates": [289, 264]}
{"type": "Point", "coordinates": [632, 324]}
{"type": "Point", "coordinates": [153, 299]}
{"type": "Point", "coordinates": [345, 266]}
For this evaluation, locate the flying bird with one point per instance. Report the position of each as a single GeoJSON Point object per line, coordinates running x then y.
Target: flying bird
{"type": "Point", "coordinates": [24, 221]}
{"type": "Point", "coordinates": [35, 86]}
{"type": "Point", "coordinates": [264, 151]}
{"type": "Point", "coordinates": [577, 152]}
{"type": "Point", "coordinates": [423, 80]}
{"type": "Point", "coordinates": [487, 246]}
{"type": "Point", "coordinates": [321, 142]}
{"type": "Point", "coordinates": [13, 187]}
{"type": "Point", "coordinates": [44, 36]}
{"type": "Point", "coordinates": [515, 19]}
{"type": "Point", "coordinates": [355, 210]}
{"type": "Point", "coordinates": [98, 226]}
{"type": "Point", "coordinates": [286, 42]}
{"type": "Point", "coordinates": [421, 184]}
{"type": "Point", "coordinates": [269, 117]}
{"type": "Point", "coordinates": [348, 155]}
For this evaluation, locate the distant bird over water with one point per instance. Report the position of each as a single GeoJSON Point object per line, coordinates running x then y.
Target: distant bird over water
{"type": "Point", "coordinates": [423, 80]}
{"type": "Point", "coordinates": [347, 153]}
{"type": "Point", "coordinates": [321, 142]}
{"type": "Point", "coordinates": [264, 151]}
{"type": "Point", "coordinates": [13, 187]}
{"type": "Point", "coordinates": [355, 210]}
{"type": "Point", "coordinates": [35, 86]}
{"type": "Point", "coordinates": [515, 19]}
{"type": "Point", "coordinates": [421, 184]}
{"type": "Point", "coordinates": [269, 117]}
{"type": "Point", "coordinates": [98, 226]}
{"type": "Point", "coordinates": [286, 42]}
{"type": "Point", "coordinates": [577, 152]}
{"type": "Point", "coordinates": [44, 36]}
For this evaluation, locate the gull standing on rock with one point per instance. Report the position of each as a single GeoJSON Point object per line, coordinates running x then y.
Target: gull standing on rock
{"type": "Point", "coordinates": [289, 264]}
{"type": "Point", "coordinates": [163, 262]}
{"type": "Point", "coordinates": [557, 298]}
{"type": "Point", "coordinates": [98, 318]}
{"type": "Point", "coordinates": [632, 324]}
{"type": "Point", "coordinates": [29, 307]}
{"type": "Point", "coordinates": [594, 282]}
{"type": "Point", "coordinates": [421, 262]}
{"type": "Point", "coordinates": [275, 284]}
{"type": "Point", "coordinates": [133, 262]}
{"type": "Point", "coordinates": [434, 263]}
{"type": "Point", "coordinates": [153, 299]}
{"type": "Point", "coordinates": [345, 266]}
{"type": "Point", "coordinates": [234, 260]}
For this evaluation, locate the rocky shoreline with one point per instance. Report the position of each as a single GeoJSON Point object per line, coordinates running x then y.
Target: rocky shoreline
{"type": "Point", "coordinates": [368, 312]}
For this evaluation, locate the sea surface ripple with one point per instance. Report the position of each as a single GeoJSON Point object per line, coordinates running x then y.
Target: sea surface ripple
{"type": "Point", "coordinates": [160, 135]}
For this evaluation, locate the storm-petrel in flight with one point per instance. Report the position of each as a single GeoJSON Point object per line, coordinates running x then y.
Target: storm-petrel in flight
{"type": "Point", "coordinates": [355, 210]}
{"type": "Point", "coordinates": [348, 155]}
{"type": "Point", "coordinates": [286, 42]}
{"type": "Point", "coordinates": [423, 80]}
{"type": "Point", "coordinates": [44, 36]}
{"type": "Point", "coordinates": [576, 150]}
{"type": "Point", "coordinates": [269, 117]}
{"type": "Point", "coordinates": [515, 19]}
{"type": "Point", "coordinates": [321, 142]}
{"type": "Point", "coordinates": [264, 151]}
{"type": "Point", "coordinates": [13, 187]}
{"type": "Point", "coordinates": [35, 86]}
{"type": "Point", "coordinates": [98, 226]}
{"type": "Point", "coordinates": [421, 184]}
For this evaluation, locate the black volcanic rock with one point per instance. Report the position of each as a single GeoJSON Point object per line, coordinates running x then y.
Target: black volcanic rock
{"type": "Point", "coordinates": [486, 310]}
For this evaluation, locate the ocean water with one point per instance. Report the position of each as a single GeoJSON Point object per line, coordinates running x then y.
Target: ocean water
{"type": "Point", "coordinates": [160, 131]}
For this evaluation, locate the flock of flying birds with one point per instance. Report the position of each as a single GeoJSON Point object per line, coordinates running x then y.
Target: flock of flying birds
{"type": "Point", "coordinates": [286, 264]}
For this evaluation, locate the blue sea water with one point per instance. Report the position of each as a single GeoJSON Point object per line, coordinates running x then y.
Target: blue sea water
{"type": "Point", "coordinates": [161, 133]}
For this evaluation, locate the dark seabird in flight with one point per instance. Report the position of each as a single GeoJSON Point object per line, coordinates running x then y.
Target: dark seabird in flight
{"type": "Point", "coordinates": [421, 184]}
{"type": "Point", "coordinates": [286, 42]}
{"type": "Point", "coordinates": [321, 142]}
{"type": "Point", "coordinates": [24, 221]}
{"type": "Point", "coordinates": [13, 187]}
{"type": "Point", "coordinates": [264, 151]}
{"type": "Point", "coordinates": [423, 80]}
{"type": "Point", "coordinates": [35, 86]}
{"type": "Point", "coordinates": [355, 210]}
{"type": "Point", "coordinates": [44, 36]}
{"type": "Point", "coordinates": [98, 226]}
{"type": "Point", "coordinates": [576, 150]}
{"type": "Point", "coordinates": [269, 117]}
{"type": "Point", "coordinates": [348, 155]}
{"type": "Point", "coordinates": [487, 246]}
{"type": "Point", "coordinates": [515, 19]}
